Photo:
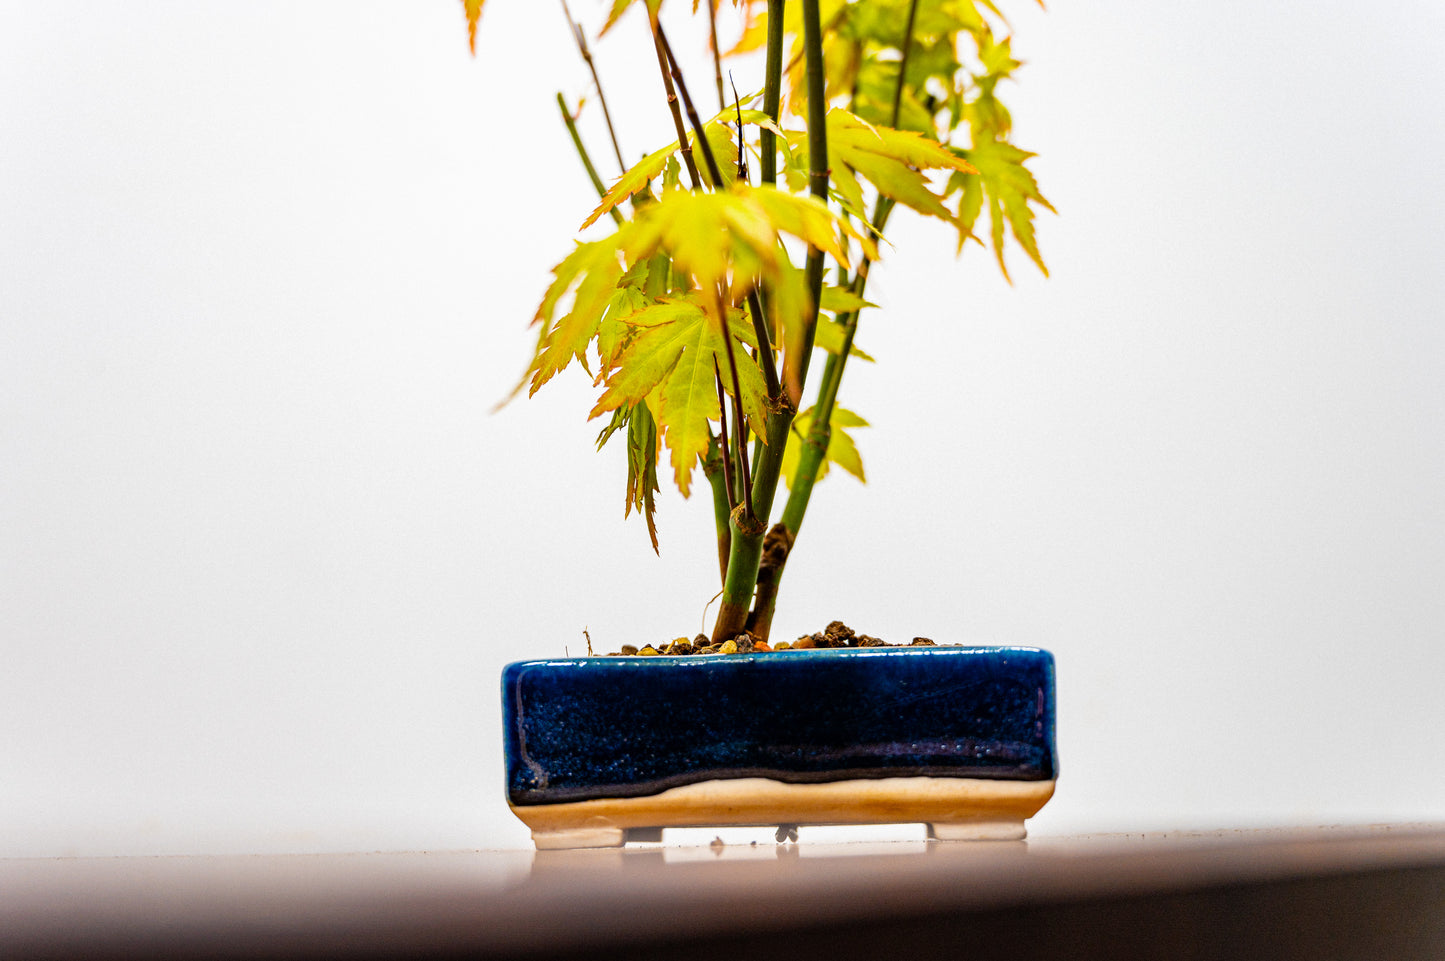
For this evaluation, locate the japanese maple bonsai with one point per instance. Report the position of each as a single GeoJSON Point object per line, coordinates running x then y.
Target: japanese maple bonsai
{"type": "Point", "coordinates": [698, 316]}
{"type": "Point", "coordinates": [742, 250]}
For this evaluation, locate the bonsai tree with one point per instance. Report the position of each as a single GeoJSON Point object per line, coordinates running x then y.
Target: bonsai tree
{"type": "Point", "coordinates": [740, 252]}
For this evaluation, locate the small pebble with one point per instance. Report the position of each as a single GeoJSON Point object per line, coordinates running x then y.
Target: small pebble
{"type": "Point", "coordinates": [835, 635]}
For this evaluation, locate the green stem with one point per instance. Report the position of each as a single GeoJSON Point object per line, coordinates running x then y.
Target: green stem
{"type": "Point", "coordinates": [772, 91]}
{"type": "Point", "coordinates": [815, 445]}
{"type": "Point", "coordinates": [817, 182]}
{"type": "Point", "coordinates": [571, 123]}
{"type": "Point", "coordinates": [712, 470]}
{"type": "Point", "coordinates": [747, 531]}
{"type": "Point", "coordinates": [817, 106]}
{"type": "Point", "coordinates": [749, 521]}
{"type": "Point", "coordinates": [767, 140]}
{"type": "Point", "coordinates": [820, 432]}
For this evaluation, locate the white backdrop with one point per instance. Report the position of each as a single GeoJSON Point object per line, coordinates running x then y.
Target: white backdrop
{"type": "Point", "coordinates": [266, 268]}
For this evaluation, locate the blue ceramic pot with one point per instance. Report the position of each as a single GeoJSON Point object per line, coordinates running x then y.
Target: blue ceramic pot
{"type": "Point", "coordinates": [959, 737]}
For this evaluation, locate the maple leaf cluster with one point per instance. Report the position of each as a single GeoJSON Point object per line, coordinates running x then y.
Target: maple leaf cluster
{"type": "Point", "coordinates": [697, 295]}
{"type": "Point", "coordinates": [955, 65]}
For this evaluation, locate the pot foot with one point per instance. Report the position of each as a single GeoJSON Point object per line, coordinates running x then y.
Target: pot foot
{"type": "Point", "coordinates": [582, 837]}
{"type": "Point", "coordinates": [1001, 829]}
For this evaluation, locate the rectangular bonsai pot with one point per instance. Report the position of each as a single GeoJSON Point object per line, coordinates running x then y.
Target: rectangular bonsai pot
{"type": "Point", "coordinates": [961, 738]}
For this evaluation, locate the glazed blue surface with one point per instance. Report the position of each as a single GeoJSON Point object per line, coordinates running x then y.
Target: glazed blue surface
{"type": "Point", "coordinates": [582, 728]}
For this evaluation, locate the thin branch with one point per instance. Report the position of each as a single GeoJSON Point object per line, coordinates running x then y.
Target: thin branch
{"type": "Point", "coordinates": [712, 168]}
{"type": "Point", "coordinates": [739, 424]}
{"type": "Point", "coordinates": [581, 39]}
{"type": "Point", "coordinates": [833, 372]}
{"type": "Point", "coordinates": [745, 494]}
{"type": "Point", "coordinates": [755, 301]}
{"type": "Point", "coordinates": [682, 143]}
{"type": "Point", "coordinates": [742, 147]}
{"type": "Point", "coordinates": [903, 62]}
{"type": "Point", "coordinates": [765, 347]}
{"type": "Point", "coordinates": [727, 461]}
{"type": "Point", "coordinates": [571, 122]}
{"type": "Point", "coordinates": [716, 52]}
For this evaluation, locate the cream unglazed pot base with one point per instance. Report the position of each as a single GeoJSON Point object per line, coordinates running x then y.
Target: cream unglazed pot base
{"type": "Point", "coordinates": [953, 808]}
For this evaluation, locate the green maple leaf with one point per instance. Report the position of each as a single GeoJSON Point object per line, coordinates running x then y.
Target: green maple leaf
{"type": "Point", "coordinates": [877, 82]}
{"type": "Point", "coordinates": [633, 181]}
{"type": "Point", "coordinates": [732, 240]}
{"type": "Point", "coordinates": [630, 297]}
{"type": "Point", "coordinates": [829, 336]}
{"type": "Point", "coordinates": [841, 449]}
{"type": "Point", "coordinates": [593, 271]}
{"type": "Point", "coordinates": [862, 42]}
{"type": "Point", "coordinates": [711, 249]}
{"type": "Point", "coordinates": [724, 147]}
{"type": "Point", "coordinates": [641, 461]}
{"type": "Point", "coordinates": [891, 160]}
{"type": "Point", "coordinates": [660, 333]}
{"type": "Point", "coordinates": [830, 333]}
{"type": "Point", "coordinates": [733, 237]}
{"type": "Point", "coordinates": [987, 117]}
{"type": "Point", "coordinates": [876, 27]}
{"type": "Point", "coordinates": [722, 141]}
{"type": "Point", "coordinates": [675, 355]}
{"type": "Point", "coordinates": [842, 300]}
{"type": "Point", "coordinates": [642, 468]}
{"type": "Point", "coordinates": [1008, 189]}
{"type": "Point", "coordinates": [688, 402]}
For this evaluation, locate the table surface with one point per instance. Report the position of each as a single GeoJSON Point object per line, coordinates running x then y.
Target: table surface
{"type": "Point", "coordinates": [1367, 891]}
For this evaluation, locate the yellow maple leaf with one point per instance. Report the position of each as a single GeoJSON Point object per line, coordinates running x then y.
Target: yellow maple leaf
{"type": "Point", "coordinates": [474, 13]}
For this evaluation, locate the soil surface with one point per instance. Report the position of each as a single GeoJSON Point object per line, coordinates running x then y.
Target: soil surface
{"type": "Point", "coordinates": [836, 634]}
